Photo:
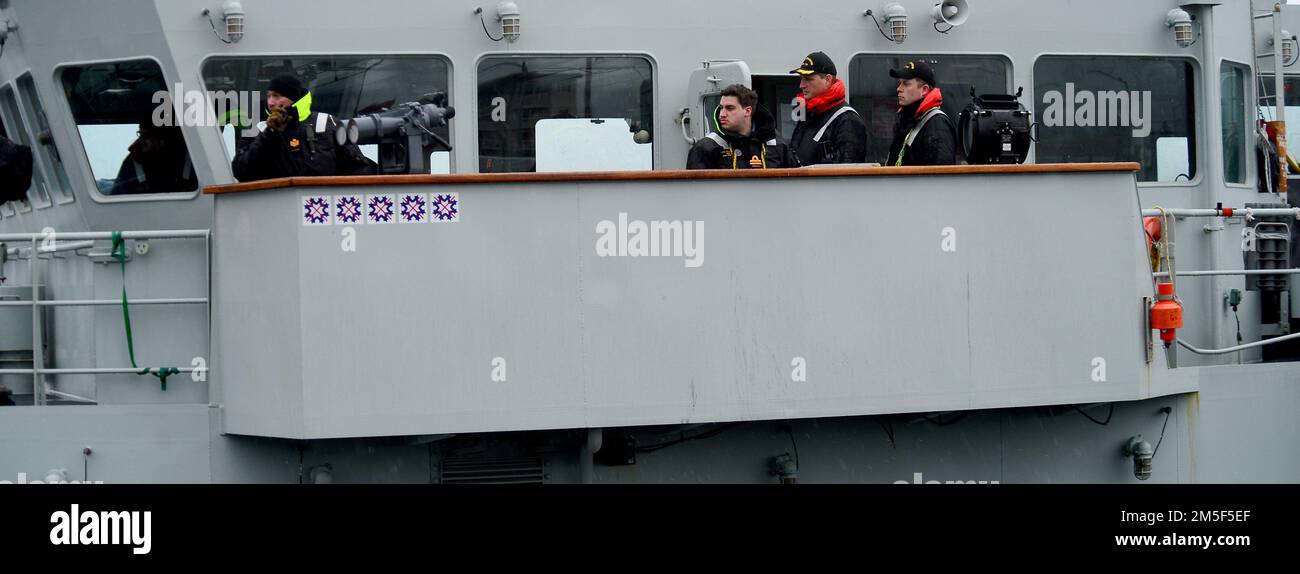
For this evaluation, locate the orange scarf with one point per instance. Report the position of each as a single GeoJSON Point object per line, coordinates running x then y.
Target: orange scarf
{"type": "Point", "coordinates": [830, 99]}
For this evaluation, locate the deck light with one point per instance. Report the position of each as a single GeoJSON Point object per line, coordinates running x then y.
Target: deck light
{"type": "Point", "coordinates": [1288, 47]}
{"type": "Point", "coordinates": [232, 13]}
{"type": "Point", "coordinates": [56, 476]}
{"type": "Point", "coordinates": [895, 18]}
{"type": "Point", "coordinates": [1142, 454]}
{"type": "Point", "coordinates": [6, 26]}
{"type": "Point", "coordinates": [508, 16]}
{"type": "Point", "coordinates": [1181, 22]}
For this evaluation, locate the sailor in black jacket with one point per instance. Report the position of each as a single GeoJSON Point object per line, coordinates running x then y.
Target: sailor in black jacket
{"type": "Point", "coordinates": [832, 132]}
{"type": "Point", "coordinates": [924, 134]}
{"type": "Point", "coordinates": [746, 137]}
{"type": "Point", "coordinates": [15, 171]}
{"type": "Point", "coordinates": [297, 141]}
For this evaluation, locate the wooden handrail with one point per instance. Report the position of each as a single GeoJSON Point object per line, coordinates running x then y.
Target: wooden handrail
{"type": "Point", "coordinates": [847, 171]}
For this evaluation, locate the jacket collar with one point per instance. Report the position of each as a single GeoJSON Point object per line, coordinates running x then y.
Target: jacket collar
{"type": "Point", "coordinates": [931, 100]}
{"type": "Point", "coordinates": [303, 105]}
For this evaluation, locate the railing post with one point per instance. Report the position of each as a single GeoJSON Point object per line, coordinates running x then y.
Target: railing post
{"type": "Point", "coordinates": [38, 348]}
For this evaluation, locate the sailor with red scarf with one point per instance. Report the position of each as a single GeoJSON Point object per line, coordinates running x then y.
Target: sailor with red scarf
{"type": "Point", "coordinates": [924, 134]}
{"type": "Point", "coordinates": [831, 132]}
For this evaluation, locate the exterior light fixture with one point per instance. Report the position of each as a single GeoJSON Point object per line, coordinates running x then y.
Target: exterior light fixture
{"type": "Point", "coordinates": [785, 467]}
{"type": "Point", "coordinates": [508, 16]}
{"type": "Point", "coordinates": [6, 26]}
{"type": "Point", "coordinates": [1142, 454]}
{"type": "Point", "coordinates": [56, 476]}
{"type": "Point", "coordinates": [895, 17]}
{"type": "Point", "coordinates": [232, 13]}
{"type": "Point", "coordinates": [1288, 47]}
{"type": "Point", "coordinates": [1181, 22]}
{"type": "Point", "coordinates": [322, 474]}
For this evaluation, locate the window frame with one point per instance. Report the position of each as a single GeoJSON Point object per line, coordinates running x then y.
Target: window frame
{"type": "Point", "coordinates": [1006, 58]}
{"type": "Point", "coordinates": [87, 175]}
{"type": "Point", "coordinates": [1249, 116]}
{"type": "Point", "coordinates": [446, 58]}
{"type": "Point", "coordinates": [656, 158]}
{"type": "Point", "coordinates": [1198, 113]}
{"type": "Point", "coordinates": [42, 156]}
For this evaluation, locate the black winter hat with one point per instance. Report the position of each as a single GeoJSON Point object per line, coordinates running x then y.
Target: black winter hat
{"type": "Point", "coordinates": [288, 85]}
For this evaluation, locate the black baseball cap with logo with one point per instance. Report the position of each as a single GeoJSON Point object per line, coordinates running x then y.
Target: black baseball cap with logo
{"type": "Point", "coordinates": [914, 69]}
{"type": "Point", "coordinates": [816, 63]}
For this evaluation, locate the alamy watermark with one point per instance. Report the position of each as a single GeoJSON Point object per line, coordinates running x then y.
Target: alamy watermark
{"type": "Point", "coordinates": [1102, 109]}
{"type": "Point", "coordinates": [92, 527]}
{"type": "Point", "coordinates": [53, 477]}
{"type": "Point", "coordinates": [179, 107]}
{"type": "Point", "coordinates": [917, 478]}
{"type": "Point", "coordinates": [637, 238]}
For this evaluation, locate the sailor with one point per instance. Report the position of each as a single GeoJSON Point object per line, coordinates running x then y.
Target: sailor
{"type": "Point", "coordinates": [746, 137]}
{"type": "Point", "coordinates": [15, 171]}
{"type": "Point", "coordinates": [156, 162]}
{"type": "Point", "coordinates": [923, 134]}
{"type": "Point", "coordinates": [830, 131]}
{"type": "Point", "coordinates": [297, 141]}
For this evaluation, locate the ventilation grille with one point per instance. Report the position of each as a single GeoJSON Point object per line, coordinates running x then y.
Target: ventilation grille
{"type": "Point", "coordinates": [528, 470]}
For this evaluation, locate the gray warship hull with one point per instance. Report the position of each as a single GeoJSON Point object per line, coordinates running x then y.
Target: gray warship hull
{"type": "Point", "coordinates": [965, 324]}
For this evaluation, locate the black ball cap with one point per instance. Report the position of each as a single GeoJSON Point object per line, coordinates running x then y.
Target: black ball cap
{"type": "Point", "coordinates": [816, 63]}
{"type": "Point", "coordinates": [914, 70]}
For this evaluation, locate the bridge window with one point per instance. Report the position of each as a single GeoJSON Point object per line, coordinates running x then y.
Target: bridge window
{"type": "Point", "coordinates": [872, 91]}
{"type": "Point", "coordinates": [1236, 118]}
{"type": "Point", "coordinates": [565, 113]}
{"type": "Point", "coordinates": [1118, 108]}
{"type": "Point", "coordinates": [1268, 104]}
{"type": "Point", "coordinates": [342, 86]}
{"type": "Point", "coordinates": [131, 137]}
{"type": "Point", "coordinates": [38, 194]}
{"type": "Point", "coordinates": [47, 154]}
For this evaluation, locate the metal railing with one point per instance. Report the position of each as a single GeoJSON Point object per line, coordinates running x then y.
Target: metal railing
{"type": "Point", "coordinates": [1220, 272]}
{"type": "Point", "coordinates": [1226, 212]}
{"type": "Point", "coordinates": [73, 241]}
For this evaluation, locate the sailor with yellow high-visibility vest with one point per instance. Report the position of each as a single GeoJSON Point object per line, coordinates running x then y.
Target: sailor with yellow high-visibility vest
{"type": "Point", "coordinates": [297, 141]}
{"type": "Point", "coordinates": [924, 134]}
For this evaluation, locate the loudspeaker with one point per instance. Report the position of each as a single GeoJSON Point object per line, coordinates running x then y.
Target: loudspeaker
{"type": "Point", "coordinates": [951, 12]}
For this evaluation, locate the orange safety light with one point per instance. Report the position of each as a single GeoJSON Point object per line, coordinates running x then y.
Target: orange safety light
{"type": "Point", "coordinates": [1167, 313]}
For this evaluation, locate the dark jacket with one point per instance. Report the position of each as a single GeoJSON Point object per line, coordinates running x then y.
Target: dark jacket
{"type": "Point", "coordinates": [762, 142]}
{"type": "Point", "coordinates": [157, 162]}
{"type": "Point", "coordinates": [15, 171]}
{"type": "Point", "coordinates": [935, 144]}
{"type": "Point", "coordinates": [845, 141]}
{"type": "Point", "coordinates": [154, 176]}
{"type": "Point", "coordinates": [301, 150]}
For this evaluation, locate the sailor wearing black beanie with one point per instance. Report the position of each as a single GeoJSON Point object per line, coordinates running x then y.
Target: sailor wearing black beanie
{"type": "Point", "coordinates": [297, 141]}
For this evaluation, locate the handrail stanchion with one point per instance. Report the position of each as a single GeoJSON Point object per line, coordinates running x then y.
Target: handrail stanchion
{"type": "Point", "coordinates": [38, 348]}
